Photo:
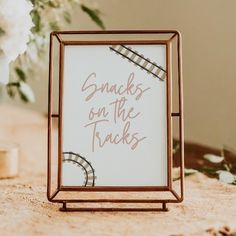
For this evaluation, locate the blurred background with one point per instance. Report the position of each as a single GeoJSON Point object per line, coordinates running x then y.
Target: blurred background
{"type": "Point", "coordinates": [209, 74]}
{"type": "Point", "coordinates": [209, 59]}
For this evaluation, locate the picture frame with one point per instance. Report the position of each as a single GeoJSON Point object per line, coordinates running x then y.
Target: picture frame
{"type": "Point", "coordinates": [77, 57]}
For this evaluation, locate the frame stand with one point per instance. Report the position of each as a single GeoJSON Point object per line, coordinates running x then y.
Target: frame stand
{"type": "Point", "coordinates": [136, 209]}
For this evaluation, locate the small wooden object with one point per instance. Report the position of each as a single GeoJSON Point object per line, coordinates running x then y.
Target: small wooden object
{"type": "Point", "coordinates": [9, 153]}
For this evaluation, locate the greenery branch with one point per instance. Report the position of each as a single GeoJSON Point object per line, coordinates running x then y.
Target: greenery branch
{"type": "Point", "coordinates": [47, 16]}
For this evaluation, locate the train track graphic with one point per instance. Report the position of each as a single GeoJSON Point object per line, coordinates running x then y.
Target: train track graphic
{"type": "Point", "coordinates": [139, 60]}
{"type": "Point", "coordinates": [81, 162]}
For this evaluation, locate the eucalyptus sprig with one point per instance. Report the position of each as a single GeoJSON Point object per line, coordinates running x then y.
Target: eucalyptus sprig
{"type": "Point", "coordinates": [223, 169]}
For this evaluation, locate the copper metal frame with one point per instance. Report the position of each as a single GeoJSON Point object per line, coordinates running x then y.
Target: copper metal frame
{"type": "Point", "coordinates": [179, 114]}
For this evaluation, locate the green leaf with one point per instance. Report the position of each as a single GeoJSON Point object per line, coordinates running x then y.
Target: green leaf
{"type": "Point", "coordinates": [67, 17]}
{"type": "Point", "coordinates": [36, 20]}
{"type": "Point", "coordinates": [94, 15]}
{"type": "Point", "coordinates": [23, 97]}
{"type": "Point", "coordinates": [53, 4]}
{"type": "Point", "coordinates": [188, 172]}
{"type": "Point", "coordinates": [2, 32]}
{"type": "Point", "coordinates": [54, 26]}
{"type": "Point", "coordinates": [213, 158]}
{"type": "Point", "coordinates": [13, 84]}
{"type": "Point", "coordinates": [209, 170]}
{"type": "Point", "coordinates": [20, 73]}
{"type": "Point", "coordinates": [12, 88]}
{"type": "Point", "coordinates": [11, 91]}
{"type": "Point", "coordinates": [26, 93]}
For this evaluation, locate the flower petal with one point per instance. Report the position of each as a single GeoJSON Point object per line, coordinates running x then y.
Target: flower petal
{"type": "Point", "coordinates": [226, 176]}
{"type": "Point", "coordinates": [213, 158]}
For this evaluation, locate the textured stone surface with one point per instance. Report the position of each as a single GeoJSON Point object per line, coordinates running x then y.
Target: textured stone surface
{"type": "Point", "coordinates": [24, 210]}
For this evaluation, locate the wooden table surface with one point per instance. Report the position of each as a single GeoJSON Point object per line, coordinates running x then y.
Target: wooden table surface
{"type": "Point", "coordinates": [209, 205]}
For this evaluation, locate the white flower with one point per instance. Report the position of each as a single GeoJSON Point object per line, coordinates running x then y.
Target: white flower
{"type": "Point", "coordinates": [15, 25]}
{"type": "Point", "coordinates": [16, 22]}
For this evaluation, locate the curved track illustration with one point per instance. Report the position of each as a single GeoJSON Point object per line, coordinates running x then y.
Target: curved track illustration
{"type": "Point", "coordinates": [81, 162]}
